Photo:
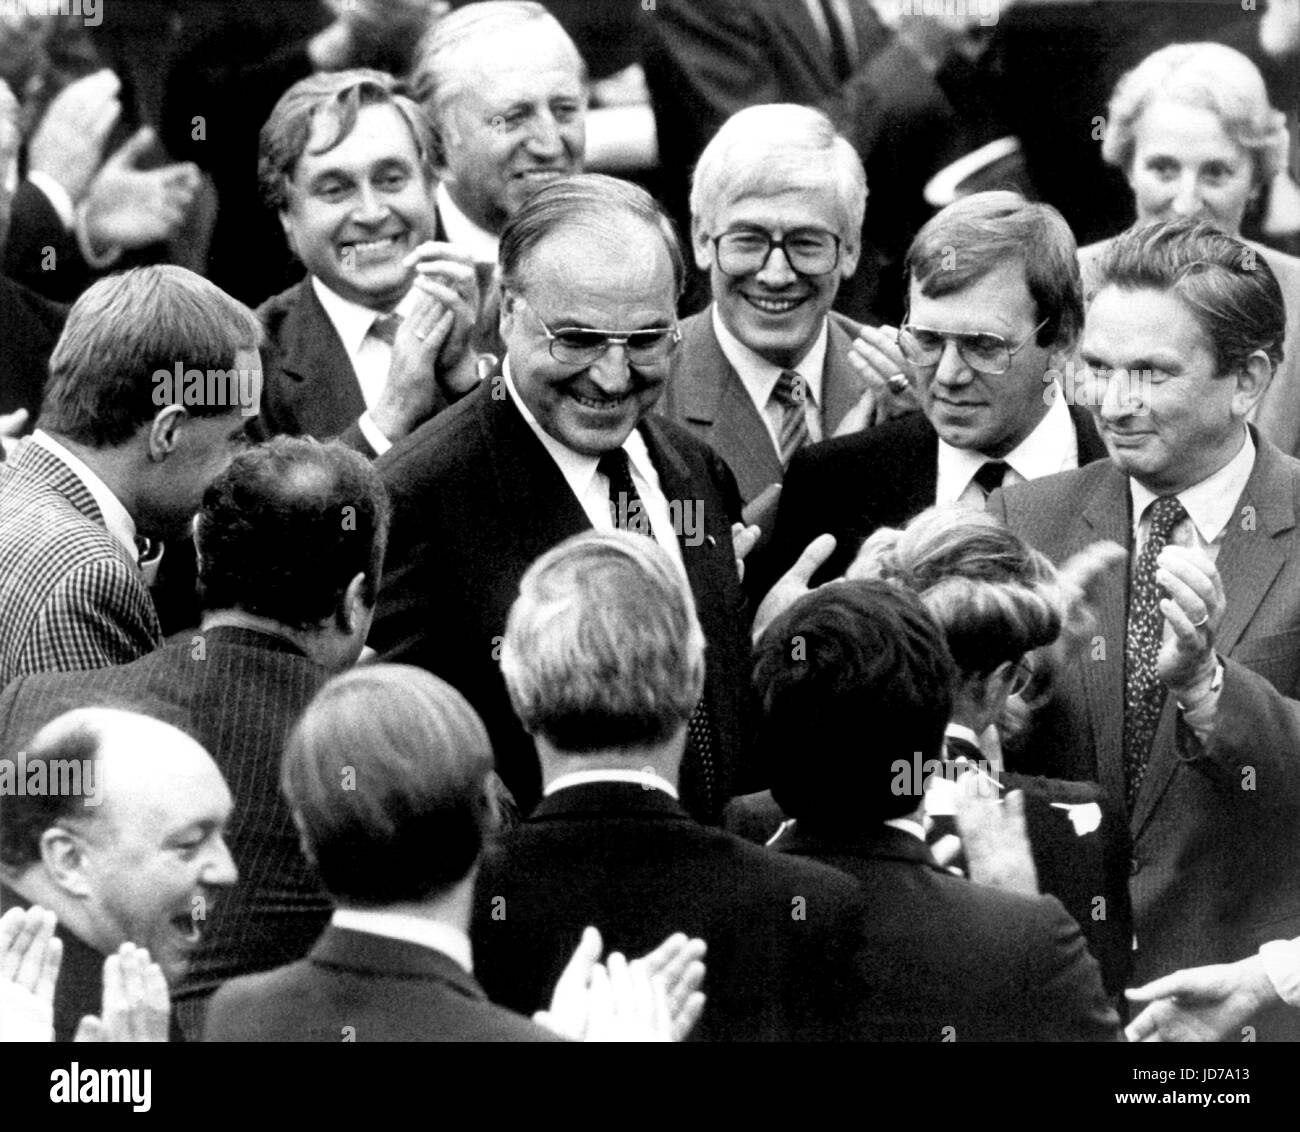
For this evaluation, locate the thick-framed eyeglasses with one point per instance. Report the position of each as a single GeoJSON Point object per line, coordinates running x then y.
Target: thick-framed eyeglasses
{"type": "Point", "coordinates": [582, 345]}
{"type": "Point", "coordinates": [987, 353]}
{"type": "Point", "coordinates": [808, 251]}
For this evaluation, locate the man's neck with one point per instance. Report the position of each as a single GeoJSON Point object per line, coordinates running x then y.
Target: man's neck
{"type": "Point", "coordinates": [663, 760]}
{"type": "Point", "coordinates": [111, 465]}
{"type": "Point", "coordinates": [452, 908]}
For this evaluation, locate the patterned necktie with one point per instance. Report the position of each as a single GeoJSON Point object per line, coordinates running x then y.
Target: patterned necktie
{"type": "Point", "coordinates": [989, 477]}
{"type": "Point", "coordinates": [385, 327]}
{"type": "Point", "coordinates": [792, 395]}
{"type": "Point", "coordinates": [1144, 694]}
{"type": "Point", "coordinates": [628, 511]}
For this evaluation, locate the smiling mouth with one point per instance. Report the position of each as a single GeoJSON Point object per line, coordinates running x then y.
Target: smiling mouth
{"type": "Point", "coordinates": [187, 927]}
{"type": "Point", "coordinates": [372, 248]}
{"type": "Point", "coordinates": [774, 306]}
{"type": "Point", "coordinates": [602, 404]}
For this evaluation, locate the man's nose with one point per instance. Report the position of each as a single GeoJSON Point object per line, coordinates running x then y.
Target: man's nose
{"type": "Point", "coordinates": [370, 206]}
{"type": "Point", "coordinates": [220, 869]}
{"type": "Point", "coordinates": [776, 271]}
{"type": "Point", "coordinates": [1187, 197]}
{"type": "Point", "coordinates": [952, 368]}
{"type": "Point", "coordinates": [611, 371]}
{"type": "Point", "coordinates": [544, 136]}
{"type": "Point", "coordinates": [1122, 396]}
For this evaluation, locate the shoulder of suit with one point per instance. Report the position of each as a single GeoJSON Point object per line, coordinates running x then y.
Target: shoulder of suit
{"type": "Point", "coordinates": [907, 436]}
{"type": "Point", "coordinates": [1074, 485]}
{"type": "Point", "coordinates": [449, 443]}
{"type": "Point", "coordinates": [42, 523]}
{"type": "Point", "coordinates": [273, 311]}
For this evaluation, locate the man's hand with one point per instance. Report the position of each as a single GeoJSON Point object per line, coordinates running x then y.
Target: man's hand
{"type": "Point", "coordinates": [30, 955]}
{"type": "Point", "coordinates": [793, 584]}
{"type": "Point", "coordinates": [655, 998]}
{"type": "Point", "coordinates": [11, 427]}
{"type": "Point", "coordinates": [875, 355]}
{"type": "Point", "coordinates": [446, 274]}
{"type": "Point", "coordinates": [136, 1006]}
{"type": "Point", "coordinates": [411, 393]}
{"type": "Point", "coordinates": [994, 834]}
{"type": "Point", "coordinates": [1201, 1004]}
{"type": "Point", "coordinates": [68, 144]}
{"type": "Point", "coordinates": [1194, 611]}
{"type": "Point", "coordinates": [127, 207]}
{"type": "Point", "coordinates": [743, 540]}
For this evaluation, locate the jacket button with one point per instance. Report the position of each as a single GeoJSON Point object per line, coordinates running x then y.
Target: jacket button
{"type": "Point", "coordinates": [1134, 866]}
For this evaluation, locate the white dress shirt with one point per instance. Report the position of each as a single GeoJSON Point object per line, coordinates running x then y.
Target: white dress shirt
{"type": "Point", "coordinates": [647, 779]}
{"type": "Point", "coordinates": [370, 356]}
{"type": "Point", "coordinates": [1281, 958]}
{"type": "Point", "coordinates": [591, 488]}
{"type": "Point", "coordinates": [462, 231]}
{"type": "Point", "coordinates": [1053, 446]}
{"type": "Point", "coordinates": [437, 936]}
{"type": "Point", "coordinates": [116, 517]}
{"type": "Point", "coordinates": [759, 377]}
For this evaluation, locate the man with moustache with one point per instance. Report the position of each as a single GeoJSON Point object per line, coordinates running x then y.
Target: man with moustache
{"type": "Point", "coordinates": [561, 441]}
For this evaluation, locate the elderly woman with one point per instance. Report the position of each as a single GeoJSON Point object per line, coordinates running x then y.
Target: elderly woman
{"type": "Point", "coordinates": [1192, 128]}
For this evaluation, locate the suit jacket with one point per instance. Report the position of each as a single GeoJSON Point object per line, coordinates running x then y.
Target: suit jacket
{"type": "Point", "coordinates": [707, 396]}
{"type": "Point", "coordinates": [71, 597]}
{"type": "Point", "coordinates": [40, 253]}
{"type": "Point", "coordinates": [1074, 868]}
{"type": "Point", "coordinates": [355, 986]}
{"type": "Point", "coordinates": [476, 498]}
{"type": "Point", "coordinates": [238, 692]}
{"type": "Point", "coordinates": [782, 935]}
{"type": "Point", "coordinates": [952, 960]}
{"type": "Point", "coordinates": [29, 327]}
{"type": "Point", "coordinates": [1216, 861]}
{"type": "Point", "coordinates": [850, 486]}
{"type": "Point", "coordinates": [1278, 413]}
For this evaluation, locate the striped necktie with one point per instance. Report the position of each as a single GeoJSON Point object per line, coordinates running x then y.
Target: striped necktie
{"type": "Point", "coordinates": [791, 393]}
{"type": "Point", "coordinates": [385, 327]}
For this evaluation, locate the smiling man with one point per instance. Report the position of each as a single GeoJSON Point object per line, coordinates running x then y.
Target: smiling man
{"type": "Point", "coordinates": [138, 864]}
{"type": "Point", "coordinates": [561, 441]}
{"type": "Point", "coordinates": [1186, 707]}
{"type": "Point", "coordinates": [995, 308]}
{"type": "Point", "coordinates": [776, 205]}
{"type": "Point", "coordinates": [376, 339]}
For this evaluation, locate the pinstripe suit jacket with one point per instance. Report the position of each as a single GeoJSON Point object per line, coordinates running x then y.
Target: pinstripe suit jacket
{"type": "Point", "coordinates": [71, 597]}
{"type": "Point", "coordinates": [237, 691]}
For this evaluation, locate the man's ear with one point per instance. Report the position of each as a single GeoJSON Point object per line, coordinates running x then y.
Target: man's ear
{"type": "Point", "coordinates": [701, 244]}
{"type": "Point", "coordinates": [64, 857]}
{"type": "Point", "coordinates": [849, 256]}
{"type": "Point", "coordinates": [303, 842]}
{"type": "Point", "coordinates": [287, 227]}
{"type": "Point", "coordinates": [1252, 377]}
{"type": "Point", "coordinates": [353, 608]}
{"type": "Point", "coordinates": [165, 432]}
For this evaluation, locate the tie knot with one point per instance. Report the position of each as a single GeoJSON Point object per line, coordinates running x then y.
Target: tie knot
{"type": "Point", "coordinates": [990, 475]}
{"type": "Point", "coordinates": [385, 327]}
{"type": "Point", "coordinates": [1166, 513]}
{"type": "Point", "coordinates": [791, 389]}
{"type": "Point", "coordinates": [613, 465]}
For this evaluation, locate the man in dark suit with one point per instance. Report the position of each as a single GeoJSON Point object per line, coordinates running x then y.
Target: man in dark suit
{"type": "Point", "coordinates": [776, 216]}
{"type": "Point", "coordinates": [376, 339]}
{"type": "Point", "coordinates": [604, 659]}
{"type": "Point", "coordinates": [291, 540]}
{"type": "Point", "coordinates": [563, 440]}
{"type": "Point", "coordinates": [1183, 706]}
{"type": "Point", "coordinates": [398, 849]}
{"type": "Point", "coordinates": [995, 311]}
{"type": "Point", "coordinates": [123, 843]}
{"type": "Point", "coordinates": [865, 658]}
{"type": "Point", "coordinates": [152, 384]}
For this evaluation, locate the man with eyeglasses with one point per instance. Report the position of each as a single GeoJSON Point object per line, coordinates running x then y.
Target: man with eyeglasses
{"type": "Point", "coordinates": [995, 308]}
{"type": "Point", "coordinates": [776, 207]}
{"type": "Point", "coordinates": [561, 441]}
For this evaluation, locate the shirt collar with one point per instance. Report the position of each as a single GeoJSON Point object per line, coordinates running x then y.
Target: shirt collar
{"type": "Point", "coordinates": [578, 468]}
{"type": "Point", "coordinates": [907, 825]}
{"type": "Point", "coordinates": [1045, 451]}
{"type": "Point", "coordinates": [645, 778]}
{"type": "Point", "coordinates": [116, 517]}
{"type": "Point", "coordinates": [961, 731]}
{"type": "Point", "coordinates": [760, 376]}
{"type": "Point", "coordinates": [434, 934]}
{"type": "Point", "coordinates": [1210, 503]}
{"type": "Point", "coordinates": [352, 320]}
{"type": "Point", "coordinates": [460, 229]}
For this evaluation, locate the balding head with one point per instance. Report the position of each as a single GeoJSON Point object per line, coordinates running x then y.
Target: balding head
{"type": "Point", "coordinates": [123, 837]}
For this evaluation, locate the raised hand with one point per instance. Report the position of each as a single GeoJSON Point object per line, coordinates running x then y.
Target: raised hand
{"type": "Point", "coordinates": [128, 207]}
{"type": "Point", "coordinates": [30, 955]}
{"type": "Point", "coordinates": [68, 144]}
{"type": "Point", "coordinates": [136, 1006]}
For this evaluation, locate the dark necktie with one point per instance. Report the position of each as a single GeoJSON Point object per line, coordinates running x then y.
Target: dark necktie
{"type": "Point", "coordinates": [385, 327]}
{"type": "Point", "coordinates": [989, 477]}
{"type": "Point", "coordinates": [629, 514]}
{"type": "Point", "coordinates": [792, 395]}
{"type": "Point", "coordinates": [1144, 694]}
{"type": "Point", "coordinates": [841, 61]}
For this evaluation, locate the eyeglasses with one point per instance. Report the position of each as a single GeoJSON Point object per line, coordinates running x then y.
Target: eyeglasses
{"type": "Point", "coordinates": [809, 251]}
{"type": "Point", "coordinates": [581, 345]}
{"type": "Point", "coordinates": [987, 353]}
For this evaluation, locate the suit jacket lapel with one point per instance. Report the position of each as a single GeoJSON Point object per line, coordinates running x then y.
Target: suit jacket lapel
{"type": "Point", "coordinates": [842, 386]}
{"type": "Point", "coordinates": [314, 355]}
{"type": "Point", "coordinates": [1091, 446]}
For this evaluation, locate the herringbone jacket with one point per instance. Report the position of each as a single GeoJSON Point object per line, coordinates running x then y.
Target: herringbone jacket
{"type": "Point", "coordinates": [71, 597]}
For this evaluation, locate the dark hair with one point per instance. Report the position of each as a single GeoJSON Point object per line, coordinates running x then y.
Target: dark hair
{"type": "Point", "coordinates": [63, 744]}
{"type": "Point", "coordinates": [582, 200]}
{"type": "Point", "coordinates": [387, 773]}
{"type": "Point", "coordinates": [851, 679]}
{"type": "Point", "coordinates": [339, 95]}
{"type": "Point", "coordinates": [125, 331]}
{"type": "Point", "coordinates": [287, 526]}
{"type": "Point", "coordinates": [1226, 284]}
{"type": "Point", "coordinates": [975, 235]}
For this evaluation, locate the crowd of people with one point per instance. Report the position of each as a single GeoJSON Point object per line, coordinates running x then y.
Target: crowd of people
{"type": "Point", "coordinates": [531, 522]}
